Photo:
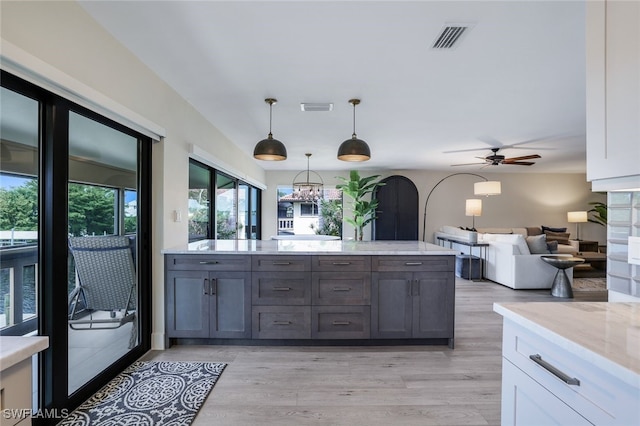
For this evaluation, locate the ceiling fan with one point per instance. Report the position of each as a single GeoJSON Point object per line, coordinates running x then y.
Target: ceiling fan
{"type": "Point", "coordinates": [496, 159]}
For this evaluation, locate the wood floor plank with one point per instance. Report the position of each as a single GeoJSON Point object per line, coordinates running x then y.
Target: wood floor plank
{"type": "Point", "coordinates": [368, 385]}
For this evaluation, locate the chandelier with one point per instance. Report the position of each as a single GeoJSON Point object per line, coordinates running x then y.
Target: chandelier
{"type": "Point", "coordinates": [306, 189]}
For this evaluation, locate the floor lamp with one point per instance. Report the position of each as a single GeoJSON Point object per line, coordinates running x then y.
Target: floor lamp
{"type": "Point", "coordinates": [486, 188]}
{"type": "Point", "coordinates": [577, 217]}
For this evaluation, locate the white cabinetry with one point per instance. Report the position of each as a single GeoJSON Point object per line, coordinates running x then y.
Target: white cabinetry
{"type": "Point", "coordinates": [613, 92]}
{"type": "Point", "coordinates": [544, 382]}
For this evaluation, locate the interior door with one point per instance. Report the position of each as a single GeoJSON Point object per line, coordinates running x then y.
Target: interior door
{"type": "Point", "coordinates": [397, 216]}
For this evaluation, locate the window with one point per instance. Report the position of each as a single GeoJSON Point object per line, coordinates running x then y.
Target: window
{"type": "Point", "coordinates": [308, 209]}
{"type": "Point", "coordinates": [235, 209]}
{"type": "Point", "coordinates": [302, 217]}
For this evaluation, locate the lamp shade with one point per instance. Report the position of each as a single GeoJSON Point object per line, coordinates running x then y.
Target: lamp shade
{"type": "Point", "coordinates": [490, 187]}
{"type": "Point", "coordinates": [354, 149]}
{"type": "Point", "coordinates": [270, 149]}
{"type": "Point", "coordinates": [473, 207]}
{"type": "Point", "coordinates": [574, 217]}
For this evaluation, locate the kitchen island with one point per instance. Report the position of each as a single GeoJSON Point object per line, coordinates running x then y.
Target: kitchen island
{"type": "Point", "coordinates": [570, 363]}
{"type": "Point", "coordinates": [309, 292]}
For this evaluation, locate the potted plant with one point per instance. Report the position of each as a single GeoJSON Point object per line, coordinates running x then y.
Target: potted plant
{"type": "Point", "coordinates": [599, 211]}
{"type": "Point", "coordinates": [357, 189]}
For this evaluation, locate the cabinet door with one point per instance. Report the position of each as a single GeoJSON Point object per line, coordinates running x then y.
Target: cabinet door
{"type": "Point", "coordinates": [230, 305]}
{"type": "Point", "coordinates": [391, 305]}
{"type": "Point", "coordinates": [187, 302]}
{"type": "Point", "coordinates": [526, 402]}
{"type": "Point", "coordinates": [433, 294]}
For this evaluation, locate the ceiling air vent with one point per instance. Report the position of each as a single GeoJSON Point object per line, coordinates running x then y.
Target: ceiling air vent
{"type": "Point", "coordinates": [449, 35]}
{"type": "Point", "coordinates": [316, 106]}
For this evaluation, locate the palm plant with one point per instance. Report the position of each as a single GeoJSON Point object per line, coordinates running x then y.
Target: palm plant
{"type": "Point", "coordinates": [357, 189]}
{"type": "Point", "coordinates": [599, 211]}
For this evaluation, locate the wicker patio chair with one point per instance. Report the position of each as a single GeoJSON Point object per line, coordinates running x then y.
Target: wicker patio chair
{"type": "Point", "coordinates": [107, 282]}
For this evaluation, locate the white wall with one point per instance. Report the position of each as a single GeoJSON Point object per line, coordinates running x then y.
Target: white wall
{"type": "Point", "coordinates": [64, 36]}
{"type": "Point", "coordinates": [527, 199]}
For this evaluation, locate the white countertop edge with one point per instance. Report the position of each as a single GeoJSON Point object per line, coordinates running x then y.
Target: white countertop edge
{"type": "Point", "coordinates": [318, 252]}
{"type": "Point", "coordinates": [621, 372]}
{"type": "Point", "coordinates": [15, 349]}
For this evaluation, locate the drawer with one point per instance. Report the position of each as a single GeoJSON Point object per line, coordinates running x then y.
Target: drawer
{"type": "Point", "coordinates": [281, 322]}
{"type": "Point", "coordinates": [412, 263]}
{"type": "Point", "coordinates": [600, 397]}
{"type": "Point", "coordinates": [341, 288]}
{"type": "Point", "coordinates": [341, 263]}
{"type": "Point", "coordinates": [204, 262]}
{"type": "Point", "coordinates": [281, 288]}
{"type": "Point", "coordinates": [278, 263]}
{"type": "Point", "coordinates": [340, 322]}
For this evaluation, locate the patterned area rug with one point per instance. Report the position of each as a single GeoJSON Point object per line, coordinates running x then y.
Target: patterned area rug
{"type": "Point", "coordinates": [150, 393]}
{"type": "Point", "coordinates": [589, 284]}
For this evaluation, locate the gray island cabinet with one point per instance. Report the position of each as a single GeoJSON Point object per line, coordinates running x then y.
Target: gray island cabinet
{"type": "Point", "coordinates": [328, 292]}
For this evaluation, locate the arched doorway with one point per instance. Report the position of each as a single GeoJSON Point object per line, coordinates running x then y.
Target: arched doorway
{"type": "Point", "coordinates": [397, 210]}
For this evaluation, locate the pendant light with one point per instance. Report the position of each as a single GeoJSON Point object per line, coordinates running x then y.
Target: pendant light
{"type": "Point", "coordinates": [354, 149]}
{"type": "Point", "coordinates": [306, 189]}
{"type": "Point", "coordinates": [270, 149]}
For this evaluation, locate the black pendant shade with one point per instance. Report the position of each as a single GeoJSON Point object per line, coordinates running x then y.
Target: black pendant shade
{"type": "Point", "coordinates": [270, 149]}
{"type": "Point", "coordinates": [354, 149]}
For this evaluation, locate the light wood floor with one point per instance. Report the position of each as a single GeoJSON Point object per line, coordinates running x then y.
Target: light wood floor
{"type": "Point", "coordinates": [391, 385]}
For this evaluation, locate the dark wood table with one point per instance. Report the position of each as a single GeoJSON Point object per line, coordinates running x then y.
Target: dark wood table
{"type": "Point", "coordinates": [596, 260]}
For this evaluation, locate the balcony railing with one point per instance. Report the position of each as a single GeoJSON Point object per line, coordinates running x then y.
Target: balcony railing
{"type": "Point", "coordinates": [285, 224]}
{"type": "Point", "coordinates": [18, 296]}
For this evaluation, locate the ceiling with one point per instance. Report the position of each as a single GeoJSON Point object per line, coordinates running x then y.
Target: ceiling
{"type": "Point", "coordinates": [515, 79]}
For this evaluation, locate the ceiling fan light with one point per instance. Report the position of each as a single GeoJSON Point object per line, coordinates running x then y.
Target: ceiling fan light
{"type": "Point", "coordinates": [354, 149]}
{"type": "Point", "coordinates": [270, 149]}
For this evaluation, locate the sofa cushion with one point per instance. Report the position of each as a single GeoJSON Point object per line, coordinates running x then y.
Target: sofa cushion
{"type": "Point", "coordinates": [548, 228]}
{"type": "Point", "coordinates": [537, 244]}
{"type": "Point", "coordinates": [560, 237]}
{"type": "Point", "coordinates": [552, 246]}
{"type": "Point", "coordinates": [495, 230]}
{"type": "Point", "coordinates": [516, 240]}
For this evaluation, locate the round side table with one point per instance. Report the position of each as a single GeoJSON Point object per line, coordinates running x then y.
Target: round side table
{"type": "Point", "coordinates": [561, 286]}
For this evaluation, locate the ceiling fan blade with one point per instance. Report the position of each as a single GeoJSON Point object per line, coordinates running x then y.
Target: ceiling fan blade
{"type": "Point", "coordinates": [519, 163]}
{"type": "Point", "coordinates": [524, 157]}
{"type": "Point", "coordinates": [466, 164]}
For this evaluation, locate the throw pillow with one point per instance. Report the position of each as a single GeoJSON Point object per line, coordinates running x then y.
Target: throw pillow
{"type": "Point", "coordinates": [533, 230]}
{"type": "Point", "coordinates": [560, 237]}
{"type": "Point", "coordinates": [552, 246]}
{"type": "Point", "coordinates": [537, 244]}
{"type": "Point", "coordinates": [548, 228]}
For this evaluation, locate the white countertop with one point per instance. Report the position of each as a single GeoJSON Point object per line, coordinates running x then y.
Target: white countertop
{"type": "Point", "coordinates": [335, 247]}
{"type": "Point", "coordinates": [605, 333]}
{"type": "Point", "coordinates": [14, 349]}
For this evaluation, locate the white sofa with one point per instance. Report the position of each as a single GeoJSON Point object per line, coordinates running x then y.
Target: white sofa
{"type": "Point", "coordinates": [508, 260]}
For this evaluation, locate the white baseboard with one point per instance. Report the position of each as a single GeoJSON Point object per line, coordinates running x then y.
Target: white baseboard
{"type": "Point", "coordinates": [157, 341]}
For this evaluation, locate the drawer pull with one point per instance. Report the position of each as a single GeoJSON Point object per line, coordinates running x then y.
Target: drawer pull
{"type": "Point", "coordinates": [282, 289]}
{"type": "Point", "coordinates": [281, 263]}
{"type": "Point", "coordinates": [341, 263]}
{"type": "Point", "coordinates": [342, 289]}
{"type": "Point", "coordinates": [341, 322]}
{"type": "Point", "coordinates": [205, 287]}
{"type": "Point", "coordinates": [209, 262]}
{"type": "Point", "coordinates": [553, 370]}
{"type": "Point", "coordinates": [282, 323]}
{"type": "Point", "coordinates": [413, 263]}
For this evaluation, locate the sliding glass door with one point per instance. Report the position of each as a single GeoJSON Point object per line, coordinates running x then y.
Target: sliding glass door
{"type": "Point", "coordinates": [75, 235]}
